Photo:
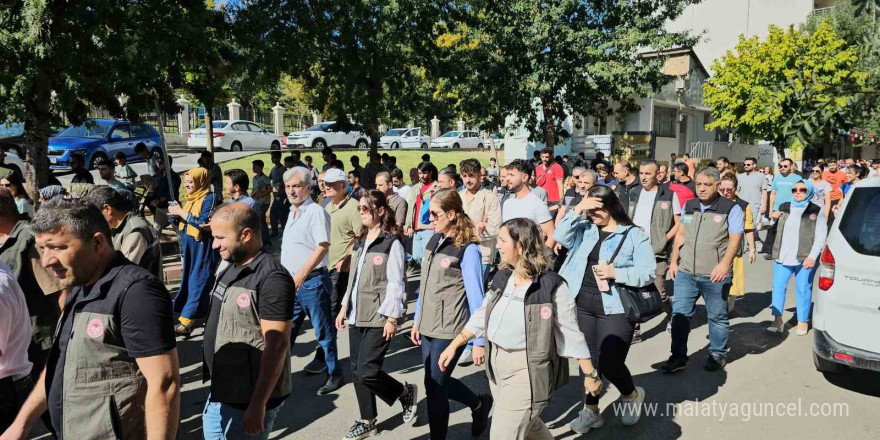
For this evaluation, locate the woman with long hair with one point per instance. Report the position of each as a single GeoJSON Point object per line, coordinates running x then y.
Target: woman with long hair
{"type": "Point", "coordinates": [450, 290]}
{"type": "Point", "coordinates": [801, 234]}
{"type": "Point", "coordinates": [528, 319]}
{"type": "Point", "coordinates": [199, 259]}
{"type": "Point", "coordinates": [727, 187]}
{"type": "Point", "coordinates": [23, 201]}
{"type": "Point", "coordinates": [372, 307]}
{"type": "Point", "coordinates": [591, 276]}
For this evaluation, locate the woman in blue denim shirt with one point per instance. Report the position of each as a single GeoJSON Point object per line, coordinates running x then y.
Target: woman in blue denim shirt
{"type": "Point", "coordinates": [600, 313]}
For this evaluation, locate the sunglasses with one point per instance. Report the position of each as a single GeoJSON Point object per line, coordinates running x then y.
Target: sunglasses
{"type": "Point", "coordinates": [435, 214]}
{"type": "Point", "coordinates": [817, 171]}
{"type": "Point", "coordinates": [364, 209]}
{"type": "Point", "coordinates": [783, 166]}
{"type": "Point", "coordinates": [798, 190]}
{"type": "Point", "coordinates": [5, 185]}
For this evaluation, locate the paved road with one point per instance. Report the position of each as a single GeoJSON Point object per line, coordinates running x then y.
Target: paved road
{"type": "Point", "coordinates": [763, 369]}
{"type": "Point", "coordinates": [182, 161]}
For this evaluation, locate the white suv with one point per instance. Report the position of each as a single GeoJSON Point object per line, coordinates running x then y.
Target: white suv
{"type": "Point", "coordinates": [328, 134]}
{"type": "Point", "coordinates": [846, 314]}
{"type": "Point", "coordinates": [404, 138]}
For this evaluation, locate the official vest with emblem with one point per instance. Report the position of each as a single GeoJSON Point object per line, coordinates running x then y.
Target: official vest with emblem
{"type": "Point", "coordinates": [807, 233]}
{"type": "Point", "coordinates": [547, 370]}
{"type": "Point", "coordinates": [151, 260]}
{"type": "Point", "coordinates": [662, 218]}
{"type": "Point", "coordinates": [104, 390]}
{"type": "Point", "coordinates": [371, 279]}
{"type": "Point", "coordinates": [705, 235]}
{"type": "Point", "coordinates": [239, 344]}
{"type": "Point", "coordinates": [444, 309]}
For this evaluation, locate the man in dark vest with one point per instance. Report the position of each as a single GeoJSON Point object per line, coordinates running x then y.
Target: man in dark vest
{"type": "Point", "coordinates": [132, 235]}
{"type": "Point", "coordinates": [655, 208]}
{"type": "Point", "coordinates": [704, 248]}
{"type": "Point", "coordinates": [628, 181]}
{"type": "Point", "coordinates": [41, 289]}
{"type": "Point", "coordinates": [117, 326]}
{"type": "Point", "coordinates": [247, 334]}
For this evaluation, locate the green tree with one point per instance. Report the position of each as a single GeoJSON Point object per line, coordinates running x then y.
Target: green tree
{"type": "Point", "coordinates": [539, 61]}
{"type": "Point", "coordinates": [791, 85]}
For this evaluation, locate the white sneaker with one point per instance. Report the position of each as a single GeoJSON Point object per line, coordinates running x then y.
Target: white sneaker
{"type": "Point", "coordinates": [586, 420]}
{"type": "Point", "coordinates": [466, 358]}
{"type": "Point", "coordinates": [632, 409]}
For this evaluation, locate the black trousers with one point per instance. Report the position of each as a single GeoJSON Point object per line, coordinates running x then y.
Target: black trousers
{"type": "Point", "coordinates": [13, 393]}
{"type": "Point", "coordinates": [367, 348]}
{"type": "Point", "coordinates": [340, 284]}
{"type": "Point", "coordinates": [609, 338]}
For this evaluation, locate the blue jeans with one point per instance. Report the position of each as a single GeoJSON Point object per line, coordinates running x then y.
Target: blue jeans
{"type": "Point", "coordinates": [223, 422]}
{"type": "Point", "coordinates": [440, 386]}
{"type": "Point", "coordinates": [803, 285]}
{"type": "Point", "coordinates": [687, 289]}
{"type": "Point", "coordinates": [420, 240]}
{"type": "Point", "coordinates": [313, 299]}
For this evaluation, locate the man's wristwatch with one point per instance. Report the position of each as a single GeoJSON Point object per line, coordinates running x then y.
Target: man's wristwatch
{"type": "Point", "coordinates": [593, 374]}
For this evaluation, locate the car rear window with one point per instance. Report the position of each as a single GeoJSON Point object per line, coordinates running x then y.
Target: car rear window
{"type": "Point", "coordinates": [860, 224]}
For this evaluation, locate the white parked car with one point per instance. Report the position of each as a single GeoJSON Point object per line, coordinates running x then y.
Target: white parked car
{"type": "Point", "coordinates": [14, 163]}
{"type": "Point", "coordinates": [404, 138]}
{"type": "Point", "coordinates": [234, 135]}
{"type": "Point", "coordinates": [846, 313]}
{"type": "Point", "coordinates": [458, 139]}
{"type": "Point", "coordinates": [328, 134]}
{"type": "Point", "coordinates": [498, 138]}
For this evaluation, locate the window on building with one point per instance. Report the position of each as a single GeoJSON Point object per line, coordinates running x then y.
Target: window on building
{"type": "Point", "coordinates": [665, 121]}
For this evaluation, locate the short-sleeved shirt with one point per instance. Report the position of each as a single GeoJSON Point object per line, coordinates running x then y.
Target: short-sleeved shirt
{"type": "Point", "coordinates": [645, 208]}
{"type": "Point", "coordinates": [735, 218]}
{"type": "Point", "coordinates": [277, 177]}
{"type": "Point", "coordinates": [307, 227]}
{"type": "Point", "coordinates": [345, 223]}
{"type": "Point", "coordinates": [835, 179]}
{"type": "Point", "coordinates": [530, 207]}
{"type": "Point", "coordinates": [819, 191]}
{"type": "Point", "coordinates": [783, 185]}
{"type": "Point", "coordinates": [248, 200]}
{"type": "Point", "coordinates": [260, 182]}
{"type": "Point", "coordinates": [750, 187]}
{"type": "Point", "coordinates": [548, 178]}
{"type": "Point", "coordinates": [14, 326]}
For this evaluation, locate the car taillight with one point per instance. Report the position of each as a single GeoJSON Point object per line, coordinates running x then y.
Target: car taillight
{"type": "Point", "coordinates": [826, 269]}
{"type": "Point", "coordinates": [218, 135]}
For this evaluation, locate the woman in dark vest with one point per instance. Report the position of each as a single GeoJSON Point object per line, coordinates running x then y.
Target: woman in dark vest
{"type": "Point", "coordinates": [373, 306]}
{"type": "Point", "coordinates": [600, 314]}
{"type": "Point", "coordinates": [799, 240]}
{"type": "Point", "coordinates": [450, 291]}
{"type": "Point", "coordinates": [529, 322]}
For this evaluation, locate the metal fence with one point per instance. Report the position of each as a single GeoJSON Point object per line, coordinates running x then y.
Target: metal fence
{"type": "Point", "coordinates": [171, 124]}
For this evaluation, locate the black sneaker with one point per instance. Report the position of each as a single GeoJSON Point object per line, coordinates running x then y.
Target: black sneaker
{"type": "Point", "coordinates": [317, 364]}
{"type": "Point", "coordinates": [715, 363]}
{"type": "Point", "coordinates": [481, 415]}
{"type": "Point", "coordinates": [361, 430]}
{"type": "Point", "coordinates": [410, 403]}
{"type": "Point", "coordinates": [674, 364]}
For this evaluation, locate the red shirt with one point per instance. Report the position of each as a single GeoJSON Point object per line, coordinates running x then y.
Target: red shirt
{"type": "Point", "coordinates": [684, 193]}
{"type": "Point", "coordinates": [836, 179]}
{"type": "Point", "coordinates": [547, 178]}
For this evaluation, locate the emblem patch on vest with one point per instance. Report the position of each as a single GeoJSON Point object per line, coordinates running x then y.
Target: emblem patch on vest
{"type": "Point", "coordinates": [445, 263]}
{"type": "Point", "coordinates": [243, 300]}
{"type": "Point", "coordinates": [546, 312]}
{"type": "Point", "coordinates": [664, 205]}
{"type": "Point", "coordinates": [378, 260]}
{"type": "Point", "coordinates": [95, 328]}
{"type": "Point", "coordinates": [717, 218]}
{"type": "Point", "coordinates": [812, 216]}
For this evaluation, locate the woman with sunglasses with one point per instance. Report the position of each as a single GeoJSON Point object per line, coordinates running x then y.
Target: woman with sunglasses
{"type": "Point", "coordinates": [591, 243]}
{"type": "Point", "coordinates": [372, 307]}
{"type": "Point", "coordinates": [821, 189]}
{"type": "Point", "coordinates": [529, 322]}
{"type": "Point", "coordinates": [450, 290]}
{"type": "Point", "coordinates": [727, 187]}
{"type": "Point", "coordinates": [23, 202]}
{"type": "Point", "coordinates": [799, 239]}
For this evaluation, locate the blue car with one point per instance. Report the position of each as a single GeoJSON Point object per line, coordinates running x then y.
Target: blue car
{"type": "Point", "coordinates": [100, 139]}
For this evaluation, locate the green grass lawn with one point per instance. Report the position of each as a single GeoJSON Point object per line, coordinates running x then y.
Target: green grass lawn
{"type": "Point", "coordinates": [406, 159]}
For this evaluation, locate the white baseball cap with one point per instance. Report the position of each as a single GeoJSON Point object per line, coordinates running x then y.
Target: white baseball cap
{"type": "Point", "coordinates": [334, 175]}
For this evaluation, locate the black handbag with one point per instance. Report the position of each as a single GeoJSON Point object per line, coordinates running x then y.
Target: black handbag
{"type": "Point", "coordinates": [640, 304]}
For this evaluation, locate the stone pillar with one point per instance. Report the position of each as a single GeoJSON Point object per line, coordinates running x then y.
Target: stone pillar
{"type": "Point", "coordinates": [183, 117]}
{"type": "Point", "coordinates": [461, 126]}
{"type": "Point", "coordinates": [316, 118]}
{"type": "Point", "coordinates": [382, 129]}
{"type": "Point", "coordinates": [234, 110]}
{"type": "Point", "coordinates": [435, 128]}
{"type": "Point", "coordinates": [410, 124]}
{"type": "Point", "coordinates": [278, 119]}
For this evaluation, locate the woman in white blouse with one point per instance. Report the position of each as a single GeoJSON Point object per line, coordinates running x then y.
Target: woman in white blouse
{"type": "Point", "coordinates": [372, 306]}
{"type": "Point", "coordinates": [799, 240]}
{"type": "Point", "coordinates": [528, 321]}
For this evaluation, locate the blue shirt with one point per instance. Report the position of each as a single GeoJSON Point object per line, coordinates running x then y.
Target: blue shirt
{"type": "Point", "coordinates": [735, 219]}
{"type": "Point", "coordinates": [783, 185]}
{"type": "Point", "coordinates": [472, 272]}
{"type": "Point", "coordinates": [248, 200]}
{"type": "Point", "coordinates": [307, 227]}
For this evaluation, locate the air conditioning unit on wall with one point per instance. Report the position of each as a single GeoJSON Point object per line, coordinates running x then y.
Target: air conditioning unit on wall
{"type": "Point", "coordinates": [680, 83]}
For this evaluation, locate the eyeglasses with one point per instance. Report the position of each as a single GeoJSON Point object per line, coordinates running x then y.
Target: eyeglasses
{"type": "Point", "coordinates": [435, 214]}
{"type": "Point", "coordinates": [798, 190]}
{"type": "Point", "coordinates": [726, 189]}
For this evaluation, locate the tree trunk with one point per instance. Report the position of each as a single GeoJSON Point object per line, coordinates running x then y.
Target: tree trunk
{"type": "Point", "coordinates": [549, 123]}
{"type": "Point", "coordinates": [209, 130]}
{"type": "Point", "coordinates": [374, 138]}
{"type": "Point", "coordinates": [779, 144]}
{"type": "Point", "coordinates": [36, 133]}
